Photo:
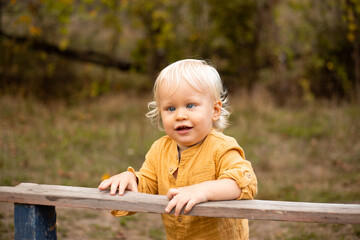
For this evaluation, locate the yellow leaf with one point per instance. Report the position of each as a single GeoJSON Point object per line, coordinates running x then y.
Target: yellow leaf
{"type": "Point", "coordinates": [64, 43]}
{"type": "Point", "coordinates": [93, 13]}
{"type": "Point", "coordinates": [105, 176]}
{"type": "Point", "coordinates": [43, 55]}
{"type": "Point", "coordinates": [330, 66]}
{"type": "Point", "coordinates": [34, 31]}
{"type": "Point", "coordinates": [24, 19]}
{"type": "Point", "coordinates": [13, 2]}
{"type": "Point", "coordinates": [94, 90]}
{"type": "Point", "coordinates": [305, 84]}
{"type": "Point", "coordinates": [351, 37]}
{"type": "Point", "coordinates": [352, 27]}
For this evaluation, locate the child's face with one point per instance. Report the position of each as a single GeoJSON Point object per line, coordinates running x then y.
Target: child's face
{"type": "Point", "coordinates": [188, 115]}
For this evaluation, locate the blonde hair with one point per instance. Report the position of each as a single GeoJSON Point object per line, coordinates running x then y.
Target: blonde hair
{"type": "Point", "coordinates": [200, 75]}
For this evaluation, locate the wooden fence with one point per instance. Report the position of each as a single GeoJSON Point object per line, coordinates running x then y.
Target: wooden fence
{"type": "Point", "coordinates": [35, 214]}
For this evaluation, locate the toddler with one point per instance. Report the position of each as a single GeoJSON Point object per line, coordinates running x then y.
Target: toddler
{"type": "Point", "coordinates": [195, 162]}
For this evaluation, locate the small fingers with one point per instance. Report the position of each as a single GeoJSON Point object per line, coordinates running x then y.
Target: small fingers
{"type": "Point", "coordinates": [179, 206]}
{"type": "Point", "coordinates": [170, 206]}
{"type": "Point", "coordinates": [104, 184]}
{"type": "Point", "coordinates": [121, 182]}
{"type": "Point", "coordinates": [190, 204]}
{"type": "Point", "coordinates": [127, 185]}
{"type": "Point", "coordinates": [114, 187]}
{"type": "Point", "coordinates": [178, 202]}
{"type": "Point", "coordinates": [134, 187]}
{"type": "Point", "coordinates": [171, 193]}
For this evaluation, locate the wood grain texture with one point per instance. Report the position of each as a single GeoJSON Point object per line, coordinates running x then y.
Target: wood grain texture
{"type": "Point", "coordinates": [80, 197]}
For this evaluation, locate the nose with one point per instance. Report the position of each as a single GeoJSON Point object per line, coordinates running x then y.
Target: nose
{"type": "Point", "coordinates": [181, 114]}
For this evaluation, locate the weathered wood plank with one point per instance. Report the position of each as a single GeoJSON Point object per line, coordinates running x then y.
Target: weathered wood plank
{"type": "Point", "coordinates": [80, 197]}
{"type": "Point", "coordinates": [34, 222]}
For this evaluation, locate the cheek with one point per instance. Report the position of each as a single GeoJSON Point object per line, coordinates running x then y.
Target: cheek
{"type": "Point", "coordinates": [204, 119]}
{"type": "Point", "coordinates": [165, 120]}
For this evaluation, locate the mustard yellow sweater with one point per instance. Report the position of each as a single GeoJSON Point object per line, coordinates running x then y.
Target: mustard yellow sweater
{"type": "Point", "coordinates": [217, 157]}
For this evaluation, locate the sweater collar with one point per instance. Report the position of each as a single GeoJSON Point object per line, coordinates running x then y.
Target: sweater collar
{"type": "Point", "coordinates": [190, 151]}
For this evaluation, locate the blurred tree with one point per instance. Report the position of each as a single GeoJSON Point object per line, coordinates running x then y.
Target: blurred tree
{"type": "Point", "coordinates": [71, 47]}
{"type": "Point", "coordinates": [237, 29]}
{"type": "Point", "coordinates": [333, 68]}
{"type": "Point", "coordinates": [38, 32]}
{"type": "Point", "coordinates": [157, 20]}
{"type": "Point", "coordinates": [314, 48]}
{"type": "Point", "coordinates": [352, 18]}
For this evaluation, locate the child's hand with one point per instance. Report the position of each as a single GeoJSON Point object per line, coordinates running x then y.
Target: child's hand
{"type": "Point", "coordinates": [224, 189]}
{"type": "Point", "coordinates": [123, 181]}
{"type": "Point", "coordinates": [189, 196]}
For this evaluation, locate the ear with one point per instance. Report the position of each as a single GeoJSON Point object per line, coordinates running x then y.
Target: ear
{"type": "Point", "coordinates": [217, 110]}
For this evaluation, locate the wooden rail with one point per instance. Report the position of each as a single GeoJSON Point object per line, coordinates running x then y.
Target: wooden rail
{"type": "Point", "coordinates": [27, 195]}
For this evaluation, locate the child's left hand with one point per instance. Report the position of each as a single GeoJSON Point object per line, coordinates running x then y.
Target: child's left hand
{"type": "Point", "coordinates": [224, 189]}
{"type": "Point", "coordinates": [189, 196]}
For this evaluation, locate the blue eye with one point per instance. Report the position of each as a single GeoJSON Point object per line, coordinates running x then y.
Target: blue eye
{"type": "Point", "coordinates": [190, 106]}
{"type": "Point", "coordinates": [170, 109]}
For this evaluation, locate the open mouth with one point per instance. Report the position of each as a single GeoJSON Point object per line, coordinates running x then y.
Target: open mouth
{"type": "Point", "coordinates": [182, 128]}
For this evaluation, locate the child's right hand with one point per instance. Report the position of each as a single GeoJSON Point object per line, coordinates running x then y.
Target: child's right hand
{"type": "Point", "coordinates": [123, 181]}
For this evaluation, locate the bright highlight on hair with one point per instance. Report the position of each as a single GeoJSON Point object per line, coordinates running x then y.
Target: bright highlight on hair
{"type": "Point", "coordinates": [200, 75]}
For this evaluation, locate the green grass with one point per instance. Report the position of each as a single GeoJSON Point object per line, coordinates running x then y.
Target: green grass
{"type": "Point", "coordinates": [55, 144]}
{"type": "Point", "coordinates": [124, 221]}
{"type": "Point", "coordinates": [156, 234]}
{"type": "Point", "coordinates": [308, 153]}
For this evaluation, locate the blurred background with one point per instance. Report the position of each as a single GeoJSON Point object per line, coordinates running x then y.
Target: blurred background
{"type": "Point", "coordinates": [76, 77]}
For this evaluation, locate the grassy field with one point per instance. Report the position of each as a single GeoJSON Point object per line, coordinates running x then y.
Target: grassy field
{"type": "Point", "coordinates": [309, 152]}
